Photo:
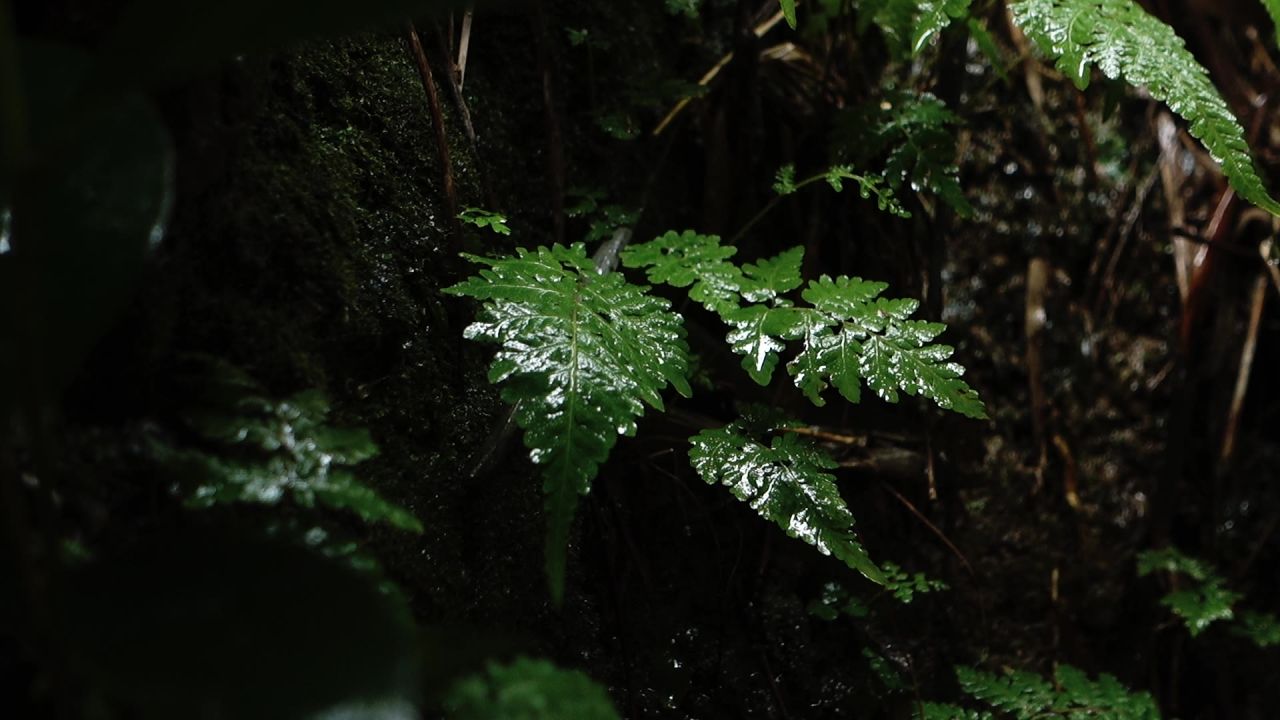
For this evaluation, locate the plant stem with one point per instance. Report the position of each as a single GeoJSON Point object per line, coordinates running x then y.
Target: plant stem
{"type": "Point", "coordinates": [771, 205]}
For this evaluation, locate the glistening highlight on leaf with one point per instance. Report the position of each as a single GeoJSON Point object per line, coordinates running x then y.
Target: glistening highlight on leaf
{"type": "Point", "coordinates": [580, 356]}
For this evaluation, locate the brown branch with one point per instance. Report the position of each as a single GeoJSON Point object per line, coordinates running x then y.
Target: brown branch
{"type": "Point", "coordinates": [932, 528]}
{"type": "Point", "coordinates": [1242, 377]}
{"type": "Point", "coordinates": [437, 122]}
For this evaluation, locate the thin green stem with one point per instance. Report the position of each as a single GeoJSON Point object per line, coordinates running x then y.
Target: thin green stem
{"type": "Point", "coordinates": [755, 219]}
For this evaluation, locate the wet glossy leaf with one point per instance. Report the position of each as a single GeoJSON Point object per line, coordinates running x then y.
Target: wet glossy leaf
{"type": "Point", "coordinates": [786, 482]}
{"type": "Point", "coordinates": [214, 626]}
{"type": "Point", "coordinates": [1125, 41]}
{"type": "Point", "coordinates": [580, 356]}
{"type": "Point", "coordinates": [485, 219]}
{"type": "Point", "coordinates": [934, 17]}
{"type": "Point", "coordinates": [772, 277]}
{"type": "Point", "coordinates": [529, 690]}
{"type": "Point", "coordinates": [868, 186]}
{"type": "Point", "coordinates": [758, 333]}
{"type": "Point", "coordinates": [871, 338]}
{"type": "Point", "coordinates": [698, 262]}
{"type": "Point", "coordinates": [850, 335]}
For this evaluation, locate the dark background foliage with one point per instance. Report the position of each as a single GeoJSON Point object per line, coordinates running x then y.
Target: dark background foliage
{"type": "Point", "coordinates": [308, 231]}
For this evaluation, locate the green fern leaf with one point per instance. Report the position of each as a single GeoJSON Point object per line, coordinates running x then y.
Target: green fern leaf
{"type": "Point", "coordinates": [1201, 606]}
{"type": "Point", "coordinates": [1027, 696]}
{"type": "Point", "coordinates": [913, 131]}
{"type": "Point", "coordinates": [265, 450]}
{"type": "Point", "coordinates": [784, 482]}
{"type": "Point", "coordinates": [850, 335]}
{"type": "Point", "coordinates": [874, 340]}
{"type": "Point", "coordinates": [581, 355]}
{"type": "Point", "coordinates": [905, 586]}
{"type": "Point", "coordinates": [1124, 41]}
{"type": "Point", "coordinates": [772, 277]}
{"type": "Point", "coordinates": [943, 711]}
{"type": "Point", "coordinates": [784, 183]}
{"type": "Point", "coordinates": [1169, 559]}
{"type": "Point", "coordinates": [1262, 629]}
{"type": "Point", "coordinates": [528, 690]}
{"type": "Point", "coordinates": [789, 11]}
{"type": "Point", "coordinates": [1206, 601]}
{"type": "Point", "coordinates": [485, 219]}
{"type": "Point", "coordinates": [1022, 694]}
{"type": "Point", "coordinates": [868, 185]}
{"type": "Point", "coordinates": [935, 16]}
{"type": "Point", "coordinates": [1273, 9]}
{"type": "Point", "coordinates": [688, 259]}
{"type": "Point", "coordinates": [759, 332]}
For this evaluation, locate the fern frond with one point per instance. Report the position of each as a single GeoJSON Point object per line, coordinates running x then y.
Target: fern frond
{"type": "Point", "coordinates": [835, 601]}
{"type": "Point", "coordinates": [1262, 629]}
{"type": "Point", "coordinates": [850, 335]}
{"type": "Point", "coordinates": [759, 333]}
{"type": "Point", "coordinates": [785, 482]}
{"type": "Point", "coordinates": [528, 689]}
{"type": "Point", "coordinates": [773, 277]}
{"type": "Point", "coordinates": [934, 17]}
{"type": "Point", "coordinates": [1206, 601]}
{"type": "Point", "coordinates": [868, 185]}
{"type": "Point", "coordinates": [581, 355]}
{"type": "Point", "coordinates": [905, 586]}
{"type": "Point", "coordinates": [1171, 560]}
{"type": "Point", "coordinates": [872, 338]}
{"type": "Point", "coordinates": [698, 262]}
{"type": "Point", "coordinates": [1027, 696]}
{"type": "Point", "coordinates": [944, 711]}
{"type": "Point", "coordinates": [1126, 42]}
{"type": "Point", "coordinates": [1201, 606]}
{"type": "Point", "coordinates": [482, 218]}
{"type": "Point", "coordinates": [1273, 9]}
{"type": "Point", "coordinates": [913, 131]}
{"type": "Point", "coordinates": [271, 450]}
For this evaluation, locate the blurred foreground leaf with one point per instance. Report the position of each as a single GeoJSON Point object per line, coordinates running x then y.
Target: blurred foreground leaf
{"type": "Point", "coordinates": [204, 626]}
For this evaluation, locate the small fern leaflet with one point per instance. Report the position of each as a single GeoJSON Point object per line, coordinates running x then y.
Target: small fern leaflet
{"type": "Point", "coordinates": [698, 262]}
{"type": "Point", "coordinates": [850, 334]}
{"type": "Point", "coordinates": [1027, 696]}
{"type": "Point", "coordinates": [581, 355]}
{"type": "Point", "coordinates": [1273, 9]}
{"type": "Point", "coordinates": [785, 482]}
{"type": "Point", "coordinates": [1124, 41]}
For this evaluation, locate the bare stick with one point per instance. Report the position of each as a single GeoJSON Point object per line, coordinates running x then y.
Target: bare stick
{"type": "Point", "coordinates": [933, 528]}
{"type": "Point", "coordinates": [463, 46]}
{"type": "Point", "coordinates": [1246, 366]}
{"type": "Point", "coordinates": [437, 122]}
